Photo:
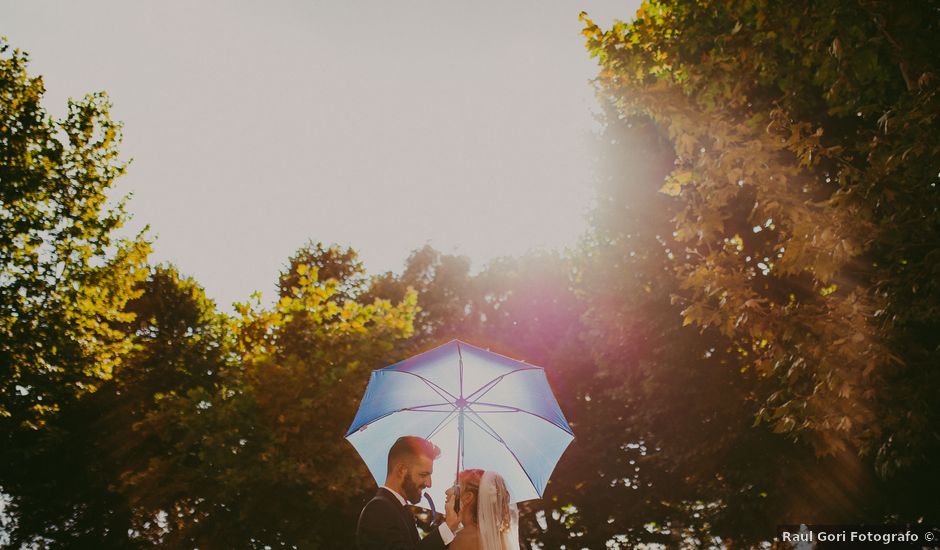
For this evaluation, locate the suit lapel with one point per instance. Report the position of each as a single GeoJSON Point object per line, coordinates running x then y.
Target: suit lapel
{"type": "Point", "coordinates": [413, 527]}
{"type": "Point", "coordinates": [409, 520]}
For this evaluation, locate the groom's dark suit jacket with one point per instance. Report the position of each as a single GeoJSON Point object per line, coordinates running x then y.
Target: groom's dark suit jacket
{"type": "Point", "coordinates": [385, 524]}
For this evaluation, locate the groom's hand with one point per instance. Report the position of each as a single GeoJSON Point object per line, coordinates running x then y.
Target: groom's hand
{"type": "Point", "coordinates": [450, 516]}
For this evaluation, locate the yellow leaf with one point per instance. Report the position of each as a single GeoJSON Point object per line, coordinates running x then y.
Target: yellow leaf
{"type": "Point", "coordinates": [674, 183]}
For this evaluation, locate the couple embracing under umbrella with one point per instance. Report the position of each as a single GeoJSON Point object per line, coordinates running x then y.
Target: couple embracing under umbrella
{"type": "Point", "coordinates": [464, 406]}
{"type": "Point", "coordinates": [488, 520]}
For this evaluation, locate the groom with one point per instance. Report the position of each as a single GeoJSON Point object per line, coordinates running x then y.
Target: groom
{"type": "Point", "coordinates": [385, 523]}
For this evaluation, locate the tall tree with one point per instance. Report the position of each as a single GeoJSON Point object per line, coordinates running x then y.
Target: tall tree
{"type": "Point", "coordinates": [667, 451]}
{"type": "Point", "coordinates": [806, 170]}
{"type": "Point", "coordinates": [258, 460]}
{"type": "Point", "coordinates": [65, 279]}
{"type": "Point", "coordinates": [65, 276]}
{"type": "Point", "coordinates": [445, 293]}
{"type": "Point", "coordinates": [332, 262]}
{"type": "Point", "coordinates": [69, 492]}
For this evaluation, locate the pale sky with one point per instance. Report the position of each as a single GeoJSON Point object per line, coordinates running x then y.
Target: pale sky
{"type": "Point", "coordinates": [381, 125]}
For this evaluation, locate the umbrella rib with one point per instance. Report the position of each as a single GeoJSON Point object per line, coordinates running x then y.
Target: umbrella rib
{"type": "Point", "coordinates": [487, 387]}
{"type": "Point", "coordinates": [460, 359]}
{"type": "Point", "coordinates": [424, 408]}
{"type": "Point", "coordinates": [441, 424]}
{"type": "Point", "coordinates": [437, 389]}
{"type": "Point", "coordinates": [486, 427]}
{"type": "Point", "coordinates": [514, 409]}
{"type": "Point", "coordinates": [503, 408]}
{"type": "Point", "coordinates": [389, 413]}
{"type": "Point", "coordinates": [501, 441]}
{"type": "Point", "coordinates": [492, 383]}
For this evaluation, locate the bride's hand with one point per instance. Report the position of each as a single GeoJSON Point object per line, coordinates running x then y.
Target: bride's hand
{"type": "Point", "coordinates": [450, 515]}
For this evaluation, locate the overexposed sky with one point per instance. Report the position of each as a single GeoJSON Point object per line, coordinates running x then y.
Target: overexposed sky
{"type": "Point", "coordinates": [382, 125]}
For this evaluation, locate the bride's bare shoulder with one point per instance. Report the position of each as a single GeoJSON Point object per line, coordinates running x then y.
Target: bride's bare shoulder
{"type": "Point", "coordinates": [466, 539]}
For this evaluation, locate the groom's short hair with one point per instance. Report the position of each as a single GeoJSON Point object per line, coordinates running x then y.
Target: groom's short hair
{"type": "Point", "coordinates": [409, 447]}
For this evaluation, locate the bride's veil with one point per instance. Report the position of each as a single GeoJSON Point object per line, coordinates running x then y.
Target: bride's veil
{"type": "Point", "coordinates": [498, 519]}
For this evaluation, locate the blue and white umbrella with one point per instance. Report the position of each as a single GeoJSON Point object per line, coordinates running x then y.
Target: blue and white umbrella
{"type": "Point", "coordinates": [484, 410]}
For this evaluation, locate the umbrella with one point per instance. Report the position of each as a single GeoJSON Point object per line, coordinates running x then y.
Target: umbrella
{"type": "Point", "coordinates": [484, 410]}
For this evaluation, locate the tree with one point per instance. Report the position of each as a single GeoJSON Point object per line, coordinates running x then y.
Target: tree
{"type": "Point", "coordinates": [331, 263]}
{"type": "Point", "coordinates": [65, 276]}
{"type": "Point", "coordinates": [666, 451]}
{"type": "Point", "coordinates": [68, 491]}
{"type": "Point", "coordinates": [259, 458]}
{"type": "Point", "coordinates": [65, 279]}
{"type": "Point", "coordinates": [445, 295]}
{"type": "Point", "coordinates": [806, 175]}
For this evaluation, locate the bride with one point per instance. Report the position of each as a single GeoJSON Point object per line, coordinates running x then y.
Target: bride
{"type": "Point", "coordinates": [490, 522]}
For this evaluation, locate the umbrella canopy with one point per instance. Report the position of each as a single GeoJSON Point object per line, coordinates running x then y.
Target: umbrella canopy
{"type": "Point", "coordinates": [482, 409]}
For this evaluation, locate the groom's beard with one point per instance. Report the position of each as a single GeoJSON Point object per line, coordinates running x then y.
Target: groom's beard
{"type": "Point", "coordinates": [412, 492]}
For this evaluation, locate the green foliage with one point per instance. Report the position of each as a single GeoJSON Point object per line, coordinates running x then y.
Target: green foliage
{"type": "Point", "coordinates": [330, 262]}
{"type": "Point", "coordinates": [657, 442]}
{"type": "Point", "coordinates": [775, 211]}
{"type": "Point", "coordinates": [763, 247]}
{"type": "Point", "coordinates": [66, 479]}
{"type": "Point", "coordinates": [445, 294]}
{"type": "Point", "coordinates": [64, 277]}
{"type": "Point", "coordinates": [65, 280]}
{"type": "Point", "coordinates": [805, 230]}
{"type": "Point", "coordinates": [258, 458]}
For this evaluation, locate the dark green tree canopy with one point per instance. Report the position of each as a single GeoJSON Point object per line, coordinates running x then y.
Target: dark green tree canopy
{"type": "Point", "coordinates": [806, 220]}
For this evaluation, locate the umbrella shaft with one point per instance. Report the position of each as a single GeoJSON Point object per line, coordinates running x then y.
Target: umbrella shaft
{"type": "Point", "coordinates": [459, 440]}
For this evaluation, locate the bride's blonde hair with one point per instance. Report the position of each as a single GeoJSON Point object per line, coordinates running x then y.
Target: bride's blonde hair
{"type": "Point", "coordinates": [469, 481]}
